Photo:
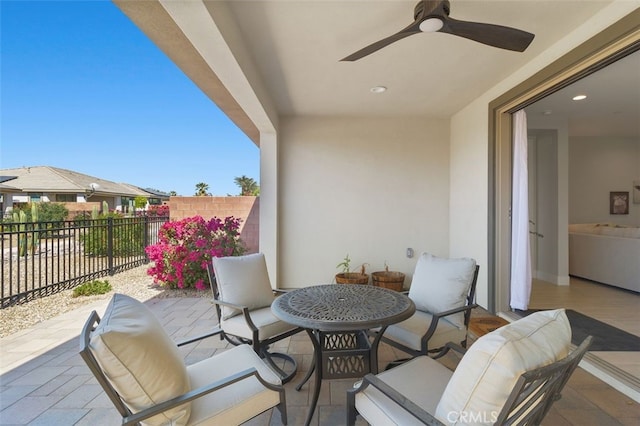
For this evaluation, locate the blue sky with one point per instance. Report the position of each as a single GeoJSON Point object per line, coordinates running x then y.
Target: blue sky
{"type": "Point", "coordinates": [82, 88]}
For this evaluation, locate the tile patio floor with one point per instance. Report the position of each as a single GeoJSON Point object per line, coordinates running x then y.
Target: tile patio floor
{"type": "Point", "coordinates": [43, 380]}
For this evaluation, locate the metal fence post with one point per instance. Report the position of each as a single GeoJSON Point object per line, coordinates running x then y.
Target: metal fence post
{"type": "Point", "coordinates": [147, 225]}
{"type": "Point", "coordinates": [110, 245]}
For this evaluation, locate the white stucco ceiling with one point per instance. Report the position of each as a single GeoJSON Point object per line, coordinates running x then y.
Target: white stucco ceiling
{"type": "Point", "coordinates": [297, 47]}
{"type": "Point", "coordinates": [612, 106]}
{"type": "Point", "coordinates": [260, 60]}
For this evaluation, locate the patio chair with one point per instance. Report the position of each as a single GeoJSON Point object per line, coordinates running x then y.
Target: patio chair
{"type": "Point", "coordinates": [510, 376]}
{"type": "Point", "coordinates": [142, 372]}
{"type": "Point", "coordinates": [242, 295]}
{"type": "Point", "coordinates": [443, 291]}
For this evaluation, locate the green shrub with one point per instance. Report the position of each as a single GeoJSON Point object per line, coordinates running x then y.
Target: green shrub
{"type": "Point", "coordinates": [128, 236]}
{"type": "Point", "coordinates": [82, 219]}
{"type": "Point", "coordinates": [140, 202]}
{"type": "Point", "coordinates": [47, 211]}
{"type": "Point", "coordinates": [52, 212]}
{"type": "Point", "coordinates": [92, 288]}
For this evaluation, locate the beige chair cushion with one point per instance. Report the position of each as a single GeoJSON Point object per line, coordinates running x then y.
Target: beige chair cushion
{"type": "Point", "coordinates": [236, 403]}
{"type": "Point", "coordinates": [409, 332]}
{"type": "Point", "coordinates": [244, 281]}
{"type": "Point", "coordinates": [488, 371]}
{"type": "Point", "coordinates": [140, 360]}
{"type": "Point", "coordinates": [268, 325]}
{"type": "Point", "coordinates": [422, 380]}
{"type": "Point", "coordinates": [440, 284]}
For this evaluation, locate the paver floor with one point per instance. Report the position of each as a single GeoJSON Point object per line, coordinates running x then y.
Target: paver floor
{"type": "Point", "coordinates": [43, 380]}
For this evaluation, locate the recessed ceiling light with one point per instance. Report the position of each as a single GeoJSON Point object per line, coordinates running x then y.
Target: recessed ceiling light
{"type": "Point", "coordinates": [378, 89]}
{"type": "Point", "coordinates": [547, 112]}
{"type": "Point", "coordinates": [579, 97]}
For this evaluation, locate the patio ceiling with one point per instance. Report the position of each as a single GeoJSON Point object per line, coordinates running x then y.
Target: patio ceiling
{"type": "Point", "coordinates": [289, 53]}
{"type": "Point", "coordinates": [297, 46]}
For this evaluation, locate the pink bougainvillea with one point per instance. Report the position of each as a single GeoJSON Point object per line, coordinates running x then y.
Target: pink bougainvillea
{"type": "Point", "coordinates": [186, 246]}
{"type": "Point", "coordinates": [162, 210]}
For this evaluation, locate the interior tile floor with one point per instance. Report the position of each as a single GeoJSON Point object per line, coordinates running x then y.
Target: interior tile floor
{"type": "Point", "coordinates": [43, 380]}
{"type": "Point", "coordinates": [611, 305]}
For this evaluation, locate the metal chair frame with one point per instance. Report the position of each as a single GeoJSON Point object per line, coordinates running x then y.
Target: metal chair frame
{"type": "Point", "coordinates": [129, 418]}
{"type": "Point", "coordinates": [261, 347]}
{"type": "Point", "coordinates": [528, 403]}
{"type": "Point", "coordinates": [438, 352]}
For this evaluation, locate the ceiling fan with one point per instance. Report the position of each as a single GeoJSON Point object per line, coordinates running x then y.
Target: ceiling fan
{"type": "Point", "coordinates": [433, 16]}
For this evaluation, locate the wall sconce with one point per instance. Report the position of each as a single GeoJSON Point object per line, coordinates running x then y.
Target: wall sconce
{"type": "Point", "coordinates": [92, 189]}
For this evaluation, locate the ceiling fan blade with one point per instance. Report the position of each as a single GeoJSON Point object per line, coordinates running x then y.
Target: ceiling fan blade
{"type": "Point", "coordinates": [490, 34]}
{"type": "Point", "coordinates": [412, 29]}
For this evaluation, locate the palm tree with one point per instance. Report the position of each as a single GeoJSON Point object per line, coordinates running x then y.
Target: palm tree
{"type": "Point", "coordinates": [248, 186]}
{"type": "Point", "coordinates": [202, 190]}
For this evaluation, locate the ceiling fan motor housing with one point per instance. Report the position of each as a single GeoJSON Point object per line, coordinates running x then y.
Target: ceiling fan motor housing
{"type": "Point", "coordinates": [427, 8]}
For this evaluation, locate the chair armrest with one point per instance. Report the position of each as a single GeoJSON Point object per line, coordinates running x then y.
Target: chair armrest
{"type": "Point", "coordinates": [399, 399]}
{"type": "Point", "coordinates": [455, 310]}
{"type": "Point", "coordinates": [456, 347]}
{"type": "Point", "coordinates": [191, 395]}
{"type": "Point", "coordinates": [447, 347]}
{"type": "Point", "coordinates": [228, 305]}
{"type": "Point", "coordinates": [215, 332]}
{"type": "Point", "coordinates": [436, 317]}
{"type": "Point", "coordinates": [243, 309]}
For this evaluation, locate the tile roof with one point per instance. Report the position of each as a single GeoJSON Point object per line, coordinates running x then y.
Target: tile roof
{"type": "Point", "coordinates": [53, 179]}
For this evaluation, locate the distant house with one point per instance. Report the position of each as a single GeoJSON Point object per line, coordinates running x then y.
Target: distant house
{"type": "Point", "coordinates": [7, 188]}
{"type": "Point", "coordinates": [52, 184]}
{"type": "Point", "coordinates": [154, 197]}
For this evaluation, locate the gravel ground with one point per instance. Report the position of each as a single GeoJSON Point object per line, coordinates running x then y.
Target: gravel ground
{"type": "Point", "coordinates": [134, 282]}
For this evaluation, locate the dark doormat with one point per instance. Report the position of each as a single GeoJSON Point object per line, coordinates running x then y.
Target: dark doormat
{"type": "Point", "coordinates": [605, 336]}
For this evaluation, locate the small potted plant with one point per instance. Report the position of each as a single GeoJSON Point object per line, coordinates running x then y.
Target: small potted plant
{"type": "Point", "coordinates": [348, 277]}
{"type": "Point", "coordinates": [388, 279]}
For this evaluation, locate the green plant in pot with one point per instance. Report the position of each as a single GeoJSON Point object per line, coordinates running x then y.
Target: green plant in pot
{"type": "Point", "coordinates": [348, 277]}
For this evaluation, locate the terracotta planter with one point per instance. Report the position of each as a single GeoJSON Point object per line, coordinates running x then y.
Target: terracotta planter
{"type": "Point", "coordinates": [353, 277]}
{"type": "Point", "coordinates": [388, 279]}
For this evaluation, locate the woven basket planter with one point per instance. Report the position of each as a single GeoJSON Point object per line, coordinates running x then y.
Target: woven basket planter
{"type": "Point", "coordinates": [388, 279]}
{"type": "Point", "coordinates": [353, 277]}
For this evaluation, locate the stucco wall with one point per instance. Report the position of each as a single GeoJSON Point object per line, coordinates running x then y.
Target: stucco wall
{"type": "Point", "coordinates": [245, 208]}
{"type": "Point", "coordinates": [598, 166]}
{"type": "Point", "coordinates": [74, 208]}
{"type": "Point", "coordinates": [366, 187]}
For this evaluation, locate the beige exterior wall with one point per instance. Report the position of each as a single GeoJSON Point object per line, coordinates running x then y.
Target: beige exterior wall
{"type": "Point", "coordinates": [245, 208]}
{"type": "Point", "coordinates": [366, 187]}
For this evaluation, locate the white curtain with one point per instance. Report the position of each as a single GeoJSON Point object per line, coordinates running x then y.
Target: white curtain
{"type": "Point", "coordinates": [520, 251]}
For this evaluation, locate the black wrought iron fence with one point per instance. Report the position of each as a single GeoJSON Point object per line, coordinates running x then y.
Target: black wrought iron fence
{"type": "Point", "coordinates": [42, 258]}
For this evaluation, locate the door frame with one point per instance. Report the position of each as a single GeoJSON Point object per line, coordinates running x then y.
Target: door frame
{"type": "Point", "coordinates": [617, 41]}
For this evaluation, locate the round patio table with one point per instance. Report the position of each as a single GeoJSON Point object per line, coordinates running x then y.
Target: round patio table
{"type": "Point", "coordinates": [337, 317]}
